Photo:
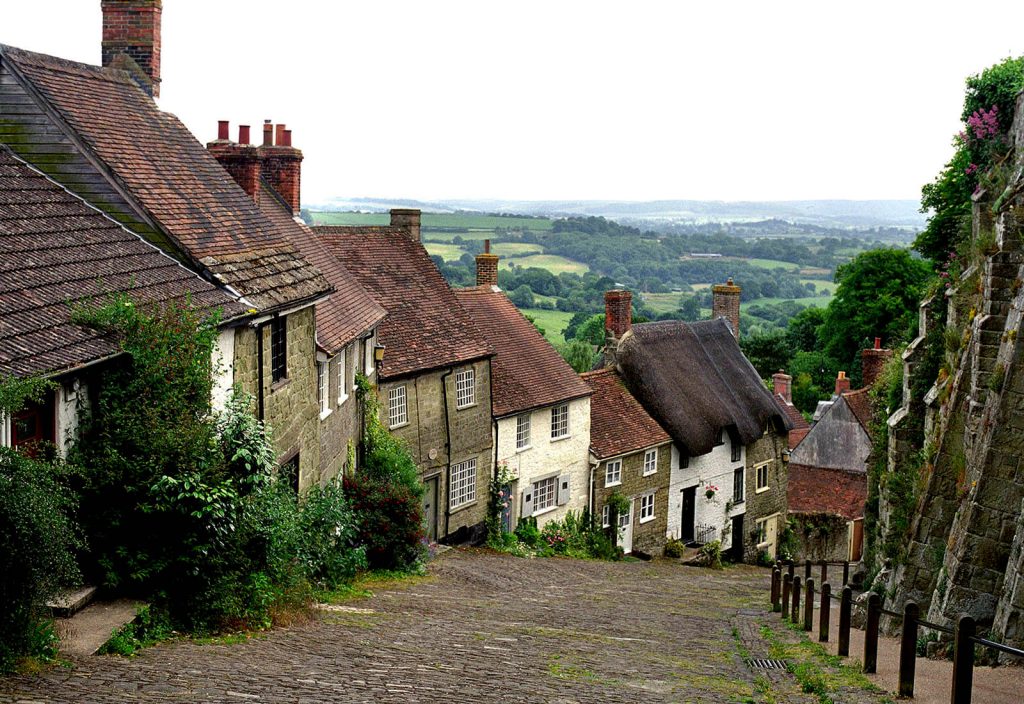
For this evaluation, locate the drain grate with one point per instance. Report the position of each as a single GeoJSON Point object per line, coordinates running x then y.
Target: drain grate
{"type": "Point", "coordinates": [766, 664]}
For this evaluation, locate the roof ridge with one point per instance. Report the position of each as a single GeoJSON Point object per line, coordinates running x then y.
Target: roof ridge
{"type": "Point", "coordinates": [57, 63]}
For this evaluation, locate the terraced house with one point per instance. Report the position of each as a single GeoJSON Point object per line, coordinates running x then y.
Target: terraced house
{"type": "Point", "coordinates": [540, 407]}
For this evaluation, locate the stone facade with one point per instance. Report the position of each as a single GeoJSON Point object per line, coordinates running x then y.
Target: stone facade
{"type": "Point", "coordinates": [341, 426]}
{"type": "Point", "coordinates": [647, 534]}
{"type": "Point", "coordinates": [544, 457]}
{"type": "Point", "coordinates": [766, 503]}
{"type": "Point", "coordinates": [432, 425]}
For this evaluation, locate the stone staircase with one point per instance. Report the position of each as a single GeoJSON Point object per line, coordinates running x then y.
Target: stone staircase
{"type": "Point", "coordinates": [85, 624]}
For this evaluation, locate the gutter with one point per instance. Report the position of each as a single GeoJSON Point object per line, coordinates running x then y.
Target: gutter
{"type": "Point", "coordinates": [259, 366]}
{"type": "Point", "coordinates": [447, 452]}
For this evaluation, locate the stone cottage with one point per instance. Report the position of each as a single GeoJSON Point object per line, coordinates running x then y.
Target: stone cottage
{"type": "Point", "coordinates": [434, 376]}
{"type": "Point", "coordinates": [541, 408]}
{"type": "Point", "coordinates": [631, 456]}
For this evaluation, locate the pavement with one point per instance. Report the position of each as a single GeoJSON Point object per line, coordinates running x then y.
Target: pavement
{"type": "Point", "coordinates": [488, 627]}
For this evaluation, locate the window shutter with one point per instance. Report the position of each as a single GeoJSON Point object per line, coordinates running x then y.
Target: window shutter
{"type": "Point", "coordinates": [527, 502]}
{"type": "Point", "coordinates": [564, 484]}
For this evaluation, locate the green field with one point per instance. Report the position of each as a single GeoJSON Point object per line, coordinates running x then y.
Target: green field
{"type": "Point", "coordinates": [504, 249]}
{"type": "Point", "coordinates": [441, 221]}
{"type": "Point", "coordinates": [822, 287]}
{"type": "Point", "coordinates": [448, 252]}
{"type": "Point", "coordinates": [663, 302]}
{"type": "Point", "coordinates": [552, 262]}
{"type": "Point", "coordinates": [553, 322]}
{"type": "Point", "coordinates": [772, 264]}
{"type": "Point", "coordinates": [819, 301]}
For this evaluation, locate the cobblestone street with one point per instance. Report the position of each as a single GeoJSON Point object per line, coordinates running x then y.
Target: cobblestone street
{"type": "Point", "coordinates": [481, 627]}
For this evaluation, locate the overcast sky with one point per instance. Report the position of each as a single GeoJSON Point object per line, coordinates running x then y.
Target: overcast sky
{"type": "Point", "coordinates": [573, 100]}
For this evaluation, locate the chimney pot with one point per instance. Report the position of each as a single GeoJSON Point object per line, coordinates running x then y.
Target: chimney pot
{"type": "Point", "coordinates": [842, 384]}
{"type": "Point", "coordinates": [279, 135]}
{"type": "Point", "coordinates": [243, 134]}
{"type": "Point", "coordinates": [878, 343]}
{"type": "Point", "coordinates": [487, 246]}
{"type": "Point", "coordinates": [223, 129]}
{"type": "Point", "coordinates": [268, 134]}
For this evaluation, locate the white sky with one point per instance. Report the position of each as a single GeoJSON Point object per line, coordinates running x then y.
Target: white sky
{"type": "Point", "coordinates": [730, 100]}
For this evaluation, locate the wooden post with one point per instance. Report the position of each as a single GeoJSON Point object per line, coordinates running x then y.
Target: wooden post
{"type": "Point", "coordinates": [846, 572]}
{"type": "Point", "coordinates": [807, 570]}
{"type": "Point", "coordinates": [776, 588]}
{"type": "Point", "coordinates": [792, 568]}
{"type": "Point", "coordinates": [871, 634]}
{"type": "Point", "coordinates": [963, 661]}
{"type": "Point", "coordinates": [787, 588]}
{"type": "Point", "coordinates": [844, 621]}
{"type": "Point", "coordinates": [809, 606]}
{"type": "Point", "coordinates": [824, 612]}
{"type": "Point", "coordinates": [824, 571]}
{"type": "Point", "coordinates": [794, 615]}
{"type": "Point", "coordinates": [908, 650]}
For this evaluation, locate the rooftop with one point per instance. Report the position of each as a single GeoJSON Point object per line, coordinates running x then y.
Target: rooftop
{"type": "Point", "coordinates": [619, 425]}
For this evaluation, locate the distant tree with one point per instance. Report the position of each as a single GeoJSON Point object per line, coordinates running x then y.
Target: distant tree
{"type": "Point", "coordinates": [579, 354]}
{"type": "Point", "coordinates": [522, 296]}
{"type": "Point", "coordinates": [577, 319]}
{"type": "Point", "coordinates": [592, 331]}
{"type": "Point", "coordinates": [533, 320]}
{"type": "Point", "coordinates": [804, 330]}
{"type": "Point", "coordinates": [307, 217]}
{"type": "Point", "coordinates": [814, 378]}
{"type": "Point", "coordinates": [767, 351]}
{"type": "Point", "coordinates": [689, 308]}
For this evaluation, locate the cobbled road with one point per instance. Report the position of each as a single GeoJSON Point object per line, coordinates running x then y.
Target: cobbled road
{"type": "Point", "coordinates": [481, 627]}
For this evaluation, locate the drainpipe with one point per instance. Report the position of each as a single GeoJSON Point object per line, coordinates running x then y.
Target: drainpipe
{"type": "Point", "coordinates": [448, 451]}
{"type": "Point", "coordinates": [259, 364]}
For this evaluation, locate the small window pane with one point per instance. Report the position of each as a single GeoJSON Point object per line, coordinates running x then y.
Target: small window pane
{"type": "Point", "coordinates": [465, 388]}
{"type": "Point", "coordinates": [278, 349]}
{"type": "Point", "coordinates": [398, 412]}
{"type": "Point", "coordinates": [737, 485]}
{"type": "Point", "coordinates": [650, 462]}
{"type": "Point", "coordinates": [342, 378]}
{"type": "Point", "coordinates": [646, 507]}
{"type": "Point", "coordinates": [613, 473]}
{"type": "Point", "coordinates": [544, 493]}
{"type": "Point", "coordinates": [522, 431]}
{"type": "Point", "coordinates": [463, 489]}
{"type": "Point", "coordinates": [560, 422]}
{"type": "Point", "coordinates": [322, 375]}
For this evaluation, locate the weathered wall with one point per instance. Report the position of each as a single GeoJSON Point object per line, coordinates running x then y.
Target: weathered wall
{"type": "Point", "coordinates": [765, 503]}
{"type": "Point", "coordinates": [648, 537]}
{"type": "Point", "coordinates": [714, 468]}
{"type": "Point", "coordinates": [341, 425]}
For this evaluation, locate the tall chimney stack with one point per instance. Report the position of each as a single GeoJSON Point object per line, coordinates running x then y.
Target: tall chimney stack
{"type": "Point", "coordinates": [132, 28]}
{"type": "Point", "coordinates": [281, 165]}
{"type": "Point", "coordinates": [783, 384]}
{"type": "Point", "coordinates": [618, 313]}
{"type": "Point", "coordinates": [872, 362]}
{"type": "Point", "coordinates": [842, 384]}
{"type": "Point", "coordinates": [725, 303]}
{"type": "Point", "coordinates": [241, 160]}
{"type": "Point", "coordinates": [487, 267]}
{"type": "Point", "coordinates": [409, 218]}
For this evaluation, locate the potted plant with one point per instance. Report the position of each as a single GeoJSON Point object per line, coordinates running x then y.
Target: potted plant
{"type": "Point", "coordinates": [709, 491]}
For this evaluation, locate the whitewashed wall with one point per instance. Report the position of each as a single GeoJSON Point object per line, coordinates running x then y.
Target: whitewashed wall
{"type": "Point", "coordinates": [223, 359]}
{"type": "Point", "coordinates": [712, 469]}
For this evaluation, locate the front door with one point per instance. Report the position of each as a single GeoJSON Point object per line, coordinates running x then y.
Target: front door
{"type": "Point", "coordinates": [430, 508]}
{"type": "Point", "coordinates": [737, 538]}
{"type": "Point", "coordinates": [626, 529]}
{"type": "Point", "coordinates": [689, 506]}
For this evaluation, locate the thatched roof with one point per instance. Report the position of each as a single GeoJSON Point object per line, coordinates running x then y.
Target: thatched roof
{"type": "Point", "coordinates": [694, 379]}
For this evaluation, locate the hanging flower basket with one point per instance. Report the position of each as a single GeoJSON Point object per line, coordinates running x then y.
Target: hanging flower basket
{"type": "Point", "coordinates": [710, 491]}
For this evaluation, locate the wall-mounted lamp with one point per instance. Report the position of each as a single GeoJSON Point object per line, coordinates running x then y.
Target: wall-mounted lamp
{"type": "Point", "coordinates": [378, 353]}
{"type": "Point", "coordinates": [785, 455]}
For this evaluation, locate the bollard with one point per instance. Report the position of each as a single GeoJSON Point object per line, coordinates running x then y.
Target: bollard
{"type": "Point", "coordinates": [807, 570]}
{"type": "Point", "coordinates": [794, 615]}
{"type": "Point", "coordinates": [787, 588]}
{"type": "Point", "coordinates": [826, 608]}
{"type": "Point", "coordinates": [963, 661]}
{"type": "Point", "coordinates": [792, 567]}
{"type": "Point", "coordinates": [844, 621]}
{"type": "Point", "coordinates": [908, 650]}
{"type": "Point", "coordinates": [776, 588]}
{"type": "Point", "coordinates": [871, 634]}
{"type": "Point", "coordinates": [809, 606]}
{"type": "Point", "coordinates": [846, 572]}
{"type": "Point", "coordinates": [824, 571]}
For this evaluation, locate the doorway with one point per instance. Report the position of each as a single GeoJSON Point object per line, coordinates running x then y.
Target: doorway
{"type": "Point", "coordinates": [430, 507]}
{"type": "Point", "coordinates": [688, 531]}
{"type": "Point", "coordinates": [736, 551]}
{"type": "Point", "coordinates": [626, 529]}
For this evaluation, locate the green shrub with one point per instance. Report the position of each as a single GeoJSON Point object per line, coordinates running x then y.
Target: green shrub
{"type": "Point", "coordinates": [328, 534]}
{"type": "Point", "coordinates": [389, 518]}
{"type": "Point", "coordinates": [528, 533]}
{"type": "Point", "coordinates": [711, 554]}
{"type": "Point", "coordinates": [674, 548]}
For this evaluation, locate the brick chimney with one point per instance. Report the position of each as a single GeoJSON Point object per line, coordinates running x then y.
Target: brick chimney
{"type": "Point", "coordinates": [281, 164]}
{"type": "Point", "coordinates": [783, 384]}
{"type": "Point", "coordinates": [725, 303]}
{"type": "Point", "coordinates": [409, 218]}
{"type": "Point", "coordinates": [618, 313]}
{"type": "Point", "coordinates": [240, 159]}
{"type": "Point", "coordinates": [872, 361]}
{"type": "Point", "coordinates": [132, 28]}
{"type": "Point", "coordinates": [486, 266]}
{"type": "Point", "coordinates": [842, 384]}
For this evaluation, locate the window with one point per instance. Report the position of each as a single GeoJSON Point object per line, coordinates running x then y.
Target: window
{"type": "Point", "coordinates": [560, 422]}
{"type": "Point", "coordinates": [737, 451]}
{"type": "Point", "coordinates": [606, 516]}
{"type": "Point", "coordinates": [544, 493]}
{"type": "Point", "coordinates": [737, 485]}
{"type": "Point", "coordinates": [342, 378]}
{"type": "Point", "coordinates": [762, 531]}
{"type": "Point", "coordinates": [762, 477]}
{"type": "Point", "coordinates": [278, 349]}
{"type": "Point", "coordinates": [463, 489]}
{"type": "Point", "coordinates": [684, 461]}
{"type": "Point", "coordinates": [465, 388]}
{"type": "Point", "coordinates": [398, 411]}
{"type": "Point", "coordinates": [613, 473]}
{"type": "Point", "coordinates": [650, 462]}
{"type": "Point", "coordinates": [522, 431]}
{"type": "Point", "coordinates": [368, 344]}
{"type": "Point", "coordinates": [720, 438]}
{"type": "Point", "coordinates": [323, 393]}
{"type": "Point", "coordinates": [646, 508]}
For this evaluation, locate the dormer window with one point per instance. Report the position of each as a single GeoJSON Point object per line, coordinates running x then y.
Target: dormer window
{"type": "Point", "coordinates": [720, 438]}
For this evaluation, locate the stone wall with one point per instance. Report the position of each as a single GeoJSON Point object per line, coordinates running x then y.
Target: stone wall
{"type": "Point", "coordinates": [767, 503]}
{"type": "Point", "coordinates": [648, 537]}
{"type": "Point", "coordinates": [342, 423]}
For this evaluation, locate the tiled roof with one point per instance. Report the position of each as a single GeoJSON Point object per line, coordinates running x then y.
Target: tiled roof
{"type": "Point", "coordinates": [526, 371]}
{"type": "Point", "coordinates": [618, 423]}
{"type": "Point", "coordinates": [859, 402]}
{"type": "Point", "coordinates": [56, 250]}
{"type": "Point", "coordinates": [173, 179]}
{"type": "Point", "coordinates": [425, 327]}
{"type": "Point", "coordinates": [800, 425]}
{"type": "Point", "coordinates": [822, 490]}
{"type": "Point", "coordinates": [350, 310]}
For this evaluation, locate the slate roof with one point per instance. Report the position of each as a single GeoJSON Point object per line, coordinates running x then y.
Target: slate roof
{"type": "Point", "coordinates": [619, 425]}
{"type": "Point", "coordinates": [838, 440]}
{"type": "Point", "coordinates": [694, 380]}
{"type": "Point", "coordinates": [350, 310]}
{"type": "Point", "coordinates": [425, 327]}
{"type": "Point", "coordinates": [172, 178]}
{"type": "Point", "coordinates": [56, 250]}
{"type": "Point", "coordinates": [526, 371]}
{"type": "Point", "coordinates": [822, 490]}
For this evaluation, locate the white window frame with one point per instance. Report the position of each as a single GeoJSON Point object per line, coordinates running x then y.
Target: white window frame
{"type": "Point", "coordinates": [613, 477]}
{"type": "Point", "coordinates": [548, 488]}
{"type": "Point", "coordinates": [606, 516]}
{"type": "Point", "coordinates": [647, 508]}
{"type": "Point", "coordinates": [323, 387]}
{"type": "Point", "coordinates": [368, 344]}
{"type": "Point", "coordinates": [398, 407]}
{"type": "Point", "coordinates": [560, 420]}
{"type": "Point", "coordinates": [342, 380]}
{"type": "Point", "coordinates": [523, 432]}
{"type": "Point", "coordinates": [465, 388]}
{"type": "Point", "coordinates": [650, 462]}
{"type": "Point", "coordinates": [759, 487]}
{"type": "Point", "coordinates": [462, 491]}
{"type": "Point", "coordinates": [5, 430]}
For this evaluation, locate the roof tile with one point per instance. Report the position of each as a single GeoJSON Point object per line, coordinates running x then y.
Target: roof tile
{"type": "Point", "coordinates": [618, 423]}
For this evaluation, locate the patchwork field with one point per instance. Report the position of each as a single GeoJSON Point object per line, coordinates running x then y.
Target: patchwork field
{"type": "Point", "coordinates": [552, 262]}
{"type": "Point", "coordinates": [553, 322]}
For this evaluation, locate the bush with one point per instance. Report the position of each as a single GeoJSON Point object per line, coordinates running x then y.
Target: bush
{"type": "Point", "coordinates": [389, 518]}
{"type": "Point", "coordinates": [674, 548]}
{"type": "Point", "coordinates": [39, 540]}
{"type": "Point", "coordinates": [711, 554]}
{"type": "Point", "coordinates": [328, 529]}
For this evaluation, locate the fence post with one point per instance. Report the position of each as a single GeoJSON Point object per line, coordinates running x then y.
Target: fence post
{"type": "Point", "coordinates": [792, 568]}
{"type": "Point", "coordinates": [871, 633]}
{"type": "Point", "coordinates": [908, 650]}
{"type": "Point", "coordinates": [826, 607]}
{"type": "Point", "coordinates": [794, 615]}
{"type": "Point", "coordinates": [787, 588]}
{"type": "Point", "coordinates": [963, 661]}
{"type": "Point", "coordinates": [809, 606]}
{"type": "Point", "coordinates": [807, 570]}
{"type": "Point", "coordinates": [844, 621]}
{"type": "Point", "coordinates": [846, 572]}
{"type": "Point", "coordinates": [775, 589]}
{"type": "Point", "coordinates": [824, 571]}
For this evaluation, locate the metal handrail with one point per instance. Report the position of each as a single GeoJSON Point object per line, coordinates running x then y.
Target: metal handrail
{"type": "Point", "coordinates": [935, 626]}
{"type": "Point", "coordinates": [998, 646]}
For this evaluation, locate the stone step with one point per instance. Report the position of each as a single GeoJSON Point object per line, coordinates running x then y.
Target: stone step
{"type": "Point", "coordinates": [69, 603]}
{"type": "Point", "coordinates": [86, 632]}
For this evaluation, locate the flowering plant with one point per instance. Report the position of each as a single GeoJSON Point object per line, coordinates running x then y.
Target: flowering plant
{"type": "Point", "coordinates": [709, 491]}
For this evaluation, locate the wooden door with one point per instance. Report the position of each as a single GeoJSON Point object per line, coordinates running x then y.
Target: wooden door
{"type": "Point", "coordinates": [430, 508]}
{"type": "Point", "coordinates": [689, 509]}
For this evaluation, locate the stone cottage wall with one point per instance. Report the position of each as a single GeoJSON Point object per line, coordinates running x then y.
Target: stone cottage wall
{"type": "Point", "coordinates": [648, 537]}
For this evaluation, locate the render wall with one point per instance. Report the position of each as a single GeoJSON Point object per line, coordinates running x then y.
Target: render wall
{"type": "Point", "coordinates": [341, 426]}
{"type": "Point", "coordinates": [712, 469]}
{"type": "Point", "coordinates": [649, 536]}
